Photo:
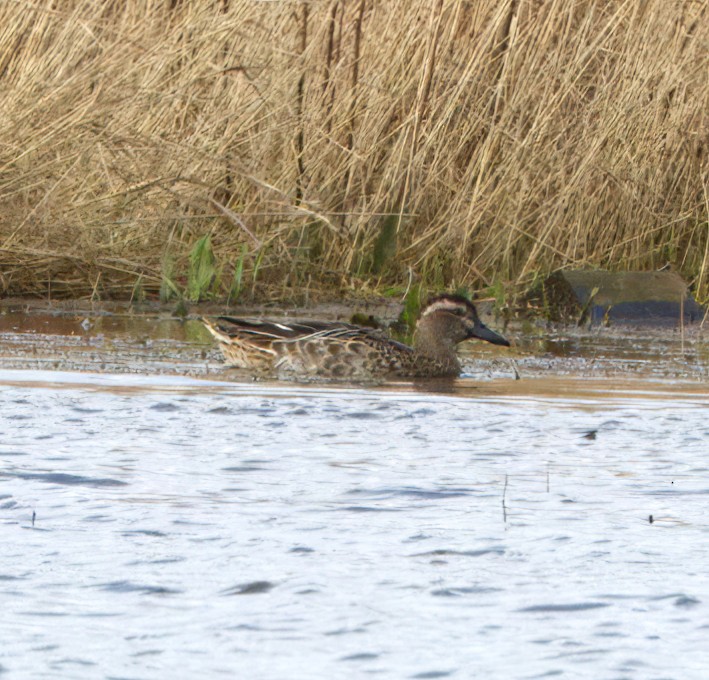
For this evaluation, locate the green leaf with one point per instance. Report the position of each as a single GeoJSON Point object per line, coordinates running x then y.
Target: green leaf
{"type": "Point", "coordinates": [237, 281]}
{"type": "Point", "coordinates": [168, 288]}
{"type": "Point", "coordinates": [410, 313]}
{"type": "Point", "coordinates": [202, 271]}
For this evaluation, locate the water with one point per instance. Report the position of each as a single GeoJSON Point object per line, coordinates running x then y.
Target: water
{"type": "Point", "coordinates": [107, 339]}
{"type": "Point", "coordinates": [186, 528]}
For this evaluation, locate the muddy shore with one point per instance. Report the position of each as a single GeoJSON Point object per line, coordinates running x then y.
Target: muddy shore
{"type": "Point", "coordinates": [150, 339]}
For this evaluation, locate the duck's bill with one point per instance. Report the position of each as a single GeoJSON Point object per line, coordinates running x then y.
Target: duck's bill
{"type": "Point", "coordinates": [482, 332]}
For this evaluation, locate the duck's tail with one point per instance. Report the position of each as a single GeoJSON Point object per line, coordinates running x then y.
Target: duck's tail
{"type": "Point", "coordinates": [214, 330]}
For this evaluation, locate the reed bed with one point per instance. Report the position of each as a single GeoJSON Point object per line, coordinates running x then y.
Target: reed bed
{"type": "Point", "coordinates": [292, 148]}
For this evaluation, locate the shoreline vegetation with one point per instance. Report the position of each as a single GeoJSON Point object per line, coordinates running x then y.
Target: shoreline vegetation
{"type": "Point", "coordinates": [251, 151]}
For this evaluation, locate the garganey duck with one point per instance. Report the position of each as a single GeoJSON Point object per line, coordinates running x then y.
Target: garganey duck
{"type": "Point", "coordinates": [332, 349]}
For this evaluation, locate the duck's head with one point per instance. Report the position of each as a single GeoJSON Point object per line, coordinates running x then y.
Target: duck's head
{"type": "Point", "coordinates": [453, 318]}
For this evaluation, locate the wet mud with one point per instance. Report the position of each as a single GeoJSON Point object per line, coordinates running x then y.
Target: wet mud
{"type": "Point", "coordinates": [113, 339]}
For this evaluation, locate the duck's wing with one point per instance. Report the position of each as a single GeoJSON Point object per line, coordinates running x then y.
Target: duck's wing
{"type": "Point", "coordinates": [229, 329]}
{"type": "Point", "coordinates": [263, 334]}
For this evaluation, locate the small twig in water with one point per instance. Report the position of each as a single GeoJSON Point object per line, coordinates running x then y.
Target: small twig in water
{"type": "Point", "coordinates": [681, 321]}
{"type": "Point", "coordinates": [504, 507]}
{"type": "Point", "coordinates": [513, 363]}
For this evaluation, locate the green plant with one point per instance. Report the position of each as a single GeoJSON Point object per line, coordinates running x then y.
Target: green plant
{"type": "Point", "coordinates": [202, 271]}
{"type": "Point", "coordinates": [406, 324]}
{"type": "Point", "coordinates": [237, 279]}
{"type": "Point", "coordinates": [138, 292]}
{"type": "Point", "coordinates": [497, 290]}
{"type": "Point", "coordinates": [168, 287]}
{"type": "Point", "coordinates": [257, 266]}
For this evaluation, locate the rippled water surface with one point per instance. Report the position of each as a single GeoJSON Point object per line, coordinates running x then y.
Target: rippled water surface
{"type": "Point", "coordinates": [192, 529]}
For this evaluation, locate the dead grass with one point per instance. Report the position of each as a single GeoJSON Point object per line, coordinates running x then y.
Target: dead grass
{"type": "Point", "coordinates": [504, 139]}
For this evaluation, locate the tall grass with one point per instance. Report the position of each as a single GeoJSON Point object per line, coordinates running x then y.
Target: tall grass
{"type": "Point", "coordinates": [350, 144]}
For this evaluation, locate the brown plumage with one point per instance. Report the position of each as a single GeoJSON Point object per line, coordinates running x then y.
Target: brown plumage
{"type": "Point", "coordinates": [329, 349]}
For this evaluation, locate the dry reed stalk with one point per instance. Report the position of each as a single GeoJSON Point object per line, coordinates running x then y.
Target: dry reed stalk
{"type": "Point", "coordinates": [510, 138]}
{"type": "Point", "coordinates": [300, 139]}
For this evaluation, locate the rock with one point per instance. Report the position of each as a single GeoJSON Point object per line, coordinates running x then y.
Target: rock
{"type": "Point", "coordinates": [596, 296]}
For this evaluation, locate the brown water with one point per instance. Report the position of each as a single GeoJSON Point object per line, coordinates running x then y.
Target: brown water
{"type": "Point", "coordinates": [162, 517]}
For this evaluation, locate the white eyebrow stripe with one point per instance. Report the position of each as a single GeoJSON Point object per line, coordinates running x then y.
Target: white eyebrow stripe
{"type": "Point", "coordinates": [440, 305]}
